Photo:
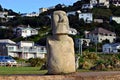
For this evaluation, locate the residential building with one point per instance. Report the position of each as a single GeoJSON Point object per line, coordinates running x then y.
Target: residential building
{"type": "Point", "coordinates": [23, 49]}
{"type": "Point", "coordinates": [3, 14]}
{"type": "Point", "coordinates": [94, 2]}
{"type": "Point", "coordinates": [81, 41]}
{"type": "Point", "coordinates": [72, 31]}
{"type": "Point", "coordinates": [100, 3]}
{"type": "Point", "coordinates": [116, 19]}
{"type": "Point", "coordinates": [23, 31]}
{"type": "Point", "coordinates": [41, 10]}
{"type": "Point", "coordinates": [111, 48]}
{"type": "Point", "coordinates": [71, 13]}
{"type": "Point", "coordinates": [100, 34]}
{"type": "Point", "coordinates": [98, 20]}
{"type": "Point", "coordinates": [87, 6]}
{"type": "Point", "coordinates": [4, 27]}
{"type": "Point", "coordinates": [33, 14]}
{"type": "Point", "coordinates": [87, 17]}
{"type": "Point", "coordinates": [115, 2]}
{"type": "Point", "coordinates": [104, 3]}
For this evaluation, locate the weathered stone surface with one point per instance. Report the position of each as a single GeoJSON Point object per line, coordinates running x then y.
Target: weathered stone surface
{"type": "Point", "coordinates": [60, 23]}
{"type": "Point", "coordinates": [60, 47]}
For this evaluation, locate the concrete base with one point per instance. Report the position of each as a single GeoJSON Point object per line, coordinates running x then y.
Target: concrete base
{"type": "Point", "coordinates": [76, 76]}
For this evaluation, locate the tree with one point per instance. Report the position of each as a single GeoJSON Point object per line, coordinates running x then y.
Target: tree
{"type": "Point", "coordinates": [105, 41]}
{"type": "Point", "coordinates": [102, 13]}
{"type": "Point", "coordinates": [1, 9]}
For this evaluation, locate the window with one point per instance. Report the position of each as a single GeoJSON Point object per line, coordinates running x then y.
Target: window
{"type": "Point", "coordinates": [106, 34]}
{"type": "Point", "coordinates": [110, 34]}
{"type": "Point", "coordinates": [11, 48]}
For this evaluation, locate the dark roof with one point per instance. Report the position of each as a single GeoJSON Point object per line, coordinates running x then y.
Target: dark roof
{"type": "Point", "coordinates": [101, 31]}
{"type": "Point", "coordinates": [7, 44]}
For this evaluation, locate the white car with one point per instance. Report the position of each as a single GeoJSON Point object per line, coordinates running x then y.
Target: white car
{"type": "Point", "coordinates": [7, 60]}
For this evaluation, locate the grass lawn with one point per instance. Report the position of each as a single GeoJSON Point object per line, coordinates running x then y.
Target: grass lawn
{"type": "Point", "coordinates": [21, 70]}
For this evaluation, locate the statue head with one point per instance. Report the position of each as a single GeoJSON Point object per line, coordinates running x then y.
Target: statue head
{"type": "Point", "coordinates": [60, 23]}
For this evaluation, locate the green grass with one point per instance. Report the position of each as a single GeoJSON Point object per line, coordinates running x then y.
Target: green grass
{"type": "Point", "coordinates": [21, 70]}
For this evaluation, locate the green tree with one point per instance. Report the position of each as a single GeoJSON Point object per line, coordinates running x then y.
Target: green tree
{"type": "Point", "coordinates": [1, 9]}
{"type": "Point", "coordinates": [102, 13]}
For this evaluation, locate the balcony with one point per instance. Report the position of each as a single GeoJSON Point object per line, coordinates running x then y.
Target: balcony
{"type": "Point", "coordinates": [27, 50]}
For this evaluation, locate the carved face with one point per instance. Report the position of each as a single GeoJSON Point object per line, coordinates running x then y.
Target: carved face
{"type": "Point", "coordinates": [60, 24]}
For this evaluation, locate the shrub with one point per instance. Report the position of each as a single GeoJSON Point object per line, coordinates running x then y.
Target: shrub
{"type": "Point", "coordinates": [36, 62]}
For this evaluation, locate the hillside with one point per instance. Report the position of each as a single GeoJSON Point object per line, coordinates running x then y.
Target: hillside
{"type": "Point", "coordinates": [44, 21]}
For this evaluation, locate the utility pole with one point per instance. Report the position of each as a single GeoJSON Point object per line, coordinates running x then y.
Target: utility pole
{"type": "Point", "coordinates": [96, 47]}
{"type": "Point", "coordinates": [80, 47]}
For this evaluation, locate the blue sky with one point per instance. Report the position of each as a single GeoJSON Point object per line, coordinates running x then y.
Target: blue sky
{"type": "Point", "coordinates": [27, 6]}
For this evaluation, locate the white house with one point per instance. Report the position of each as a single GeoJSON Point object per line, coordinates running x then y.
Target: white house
{"type": "Point", "coordinates": [111, 48]}
{"type": "Point", "coordinates": [116, 19]}
{"type": "Point", "coordinates": [93, 2]}
{"type": "Point", "coordinates": [98, 20]}
{"type": "Point", "coordinates": [87, 6]}
{"type": "Point", "coordinates": [80, 41]}
{"type": "Point", "coordinates": [100, 34]}
{"type": "Point", "coordinates": [23, 49]}
{"type": "Point", "coordinates": [72, 31]}
{"type": "Point", "coordinates": [100, 3]}
{"type": "Point", "coordinates": [87, 17]}
{"type": "Point", "coordinates": [33, 14]}
{"type": "Point", "coordinates": [3, 14]}
{"type": "Point", "coordinates": [41, 10]}
{"type": "Point", "coordinates": [115, 2]}
{"type": "Point", "coordinates": [104, 3]}
{"type": "Point", "coordinates": [22, 31]}
{"type": "Point", "coordinates": [71, 13]}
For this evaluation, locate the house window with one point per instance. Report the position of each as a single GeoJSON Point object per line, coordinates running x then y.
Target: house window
{"type": "Point", "coordinates": [106, 34]}
{"type": "Point", "coordinates": [42, 48]}
{"type": "Point", "coordinates": [110, 34]}
{"type": "Point", "coordinates": [11, 48]}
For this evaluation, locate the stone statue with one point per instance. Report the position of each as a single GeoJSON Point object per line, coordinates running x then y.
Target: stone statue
{"type": "Point", "coordinates": [60, 47]}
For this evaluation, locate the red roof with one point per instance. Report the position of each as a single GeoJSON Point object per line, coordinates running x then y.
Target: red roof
{"type": "Point", "coordinates": [101, 31]}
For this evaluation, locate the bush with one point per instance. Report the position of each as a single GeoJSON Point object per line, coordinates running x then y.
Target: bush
{"type": "Point", "coordinates": [89, 55]}
{"type": "Point", "coordinates": [35, 62]}
{"type": "Point", "coordinates": [19, 59]}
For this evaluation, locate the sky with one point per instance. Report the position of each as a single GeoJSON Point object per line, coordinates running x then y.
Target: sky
{"type": "Point", "coordinates": [28, 6]}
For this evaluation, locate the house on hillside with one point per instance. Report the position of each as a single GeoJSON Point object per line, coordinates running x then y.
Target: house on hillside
{"type": "Point", "coordinates": [3, 14]}
{"type": "Point", "coordinates": [100, 3]}
{"type": "Point", "coordinates": [111, 48]}
{"type": "Point", "coordinates": [25, 31]}
{"type": "Point", "coordinates": [33, 14]}
{"type": "Point", "coordinates": [41, 10]}
{"type": "Point", "coordinates": [116, 19]}
{"type": "Point", "coordinates": [93, 2]}
{"type": "Point", "coordinates": [87, 17]}
{"type": "Point", "coordinates": [81, 41]}
{"type": "Point", "coordinates": [72, 31]}
{"type": "Point", "coordinates": [87, 6]}
{"type": "Point", "coordinates": [98, 20]}
{"type": "Point", "coordinates": [115, 2]}
{"type": "Point", "coordinates": [100, 34]}
{"type": "Point", "coordinates": [23, 49]}
{"type": "Point", "coordinates": [71, 13]}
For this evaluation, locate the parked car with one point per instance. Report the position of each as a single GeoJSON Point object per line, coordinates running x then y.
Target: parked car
{"type": "Point", "coordinates": [7, 61]}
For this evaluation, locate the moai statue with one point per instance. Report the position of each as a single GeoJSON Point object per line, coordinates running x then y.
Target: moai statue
{"type": "Point", "coordinates": [60, 47]}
